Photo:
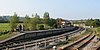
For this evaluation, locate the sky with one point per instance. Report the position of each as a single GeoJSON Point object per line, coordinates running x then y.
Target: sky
{"type": "Point", "coordinates": [66, 9]}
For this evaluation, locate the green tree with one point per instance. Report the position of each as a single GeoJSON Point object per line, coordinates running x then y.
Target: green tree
{"type": "Point", "coordinates": [46, 18]}
{"type": "Point", "coordinates": [52, 22]}
{"type": "Point", "coordinates": [32, 26]}
{"type": "Point", "coordinates": [37, 19]}
{"type": "Point", "coordinates": [26, 22]}
{"type": "Point", "coordinates": [97, 22]}
{"type": "Point", "coordinates": [34, 21]}
{"type": "Point", "coordinates": [93, 22]}
{"type": "Point", "coordinates": [89, 22]}
{"type": "Point", "coordinates": [31, 23]}
{"type": "Point", "coordinates": [13, 21]}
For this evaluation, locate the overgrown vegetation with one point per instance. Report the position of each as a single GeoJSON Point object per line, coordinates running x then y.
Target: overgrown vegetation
{"type": "Point", "coordinates": [13, 21]}
{"type": "Point", "coordinates": [7, 35]}
{"type": "Point", "coordinates": [93, 22]}
{"type": "Point", "coordinates": [88, 22]}
{"type": "Point", "coordinates": [30, 23]}
{"type": "Point", "coordinates": [5, 32]}
{"type": "Point", "coordinates": [98, 31]}
{"type": "Point", "coordinates": [4, 27]}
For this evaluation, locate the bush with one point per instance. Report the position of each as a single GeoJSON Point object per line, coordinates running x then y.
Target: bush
{"type": "Point", "coordinates": [5, 32]}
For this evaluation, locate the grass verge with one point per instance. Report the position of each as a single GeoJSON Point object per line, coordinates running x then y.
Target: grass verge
{"type": "Point", "coordinates": [8, 35]}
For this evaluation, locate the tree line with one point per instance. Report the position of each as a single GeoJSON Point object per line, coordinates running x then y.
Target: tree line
{"type": "Point", "coordinates": [93, 22]}
{"type": "Point", "coordinates": [89, 22]}
{"type": "Point", "coordinates": [34, 22]}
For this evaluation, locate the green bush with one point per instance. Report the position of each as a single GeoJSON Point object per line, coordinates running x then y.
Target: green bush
{"type": "Point", "coordinates": [5, 32]}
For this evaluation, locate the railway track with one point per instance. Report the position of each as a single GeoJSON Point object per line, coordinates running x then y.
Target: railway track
{"type": "Point", "coordinates": [32, 36]}
{"type": "Point", "coordinates": [32, 43]}
{"type": "Point", "coordinates": [77, 45]}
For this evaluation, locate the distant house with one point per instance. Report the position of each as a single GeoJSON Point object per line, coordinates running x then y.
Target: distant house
{"type": "Point", "coordinates": [63, 23]}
